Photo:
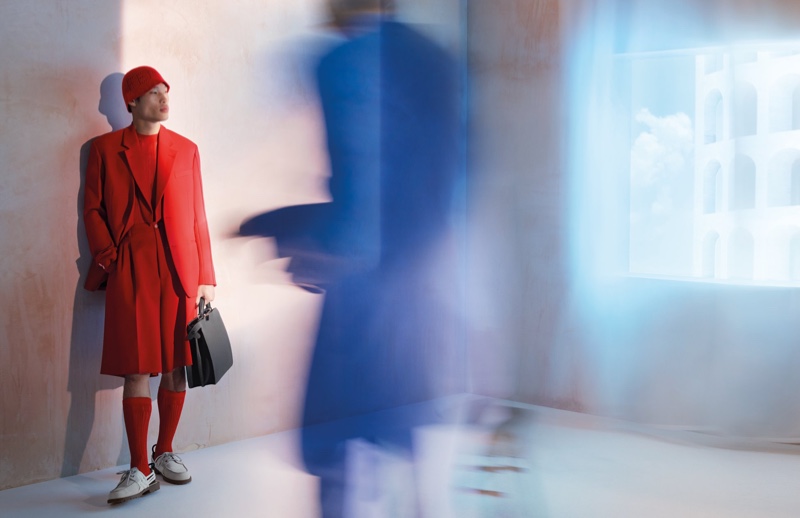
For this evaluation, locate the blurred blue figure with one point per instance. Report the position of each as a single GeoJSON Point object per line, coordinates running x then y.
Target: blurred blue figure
{"type": "Point", "coordinates": [389, 102]}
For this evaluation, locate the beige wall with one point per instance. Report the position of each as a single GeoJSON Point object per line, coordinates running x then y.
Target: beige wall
{"type": "Point", "coordinates": [516, 201]}
{"type": "Point", "coordinates": [239, 88]}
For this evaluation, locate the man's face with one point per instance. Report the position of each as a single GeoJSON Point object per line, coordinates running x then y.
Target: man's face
{"type": "Point", "coordinates": [153, 106]}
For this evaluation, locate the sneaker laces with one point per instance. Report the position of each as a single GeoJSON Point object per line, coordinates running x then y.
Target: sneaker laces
{"type": "Point", "coordinates": [126, 475]}
{"type": "Point", "coordinates": [167, 456]}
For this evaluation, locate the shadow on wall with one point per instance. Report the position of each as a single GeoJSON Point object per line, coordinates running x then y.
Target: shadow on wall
{"type": "Point", "coordinates": [86, 339]}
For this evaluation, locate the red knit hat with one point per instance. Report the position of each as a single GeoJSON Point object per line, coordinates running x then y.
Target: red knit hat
{"type": "Point", "coordinates": [139, 81]}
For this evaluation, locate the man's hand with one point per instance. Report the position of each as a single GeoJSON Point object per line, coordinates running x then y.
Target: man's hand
{"type": "Point", "coordinates": [205, 291]}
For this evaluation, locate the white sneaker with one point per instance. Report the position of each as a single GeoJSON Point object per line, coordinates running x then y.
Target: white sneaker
{"type": "Point", "coordinates": [133, 485]}
{"type": "Point", "coordinates": [171, 468]}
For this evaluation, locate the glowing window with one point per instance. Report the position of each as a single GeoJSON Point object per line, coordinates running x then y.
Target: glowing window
{"type": "Point", "coordinates": [714, 163]}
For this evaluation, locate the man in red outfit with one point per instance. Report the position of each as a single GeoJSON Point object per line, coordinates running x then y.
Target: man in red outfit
{"type": "Point", "coordinates": [146, 224]}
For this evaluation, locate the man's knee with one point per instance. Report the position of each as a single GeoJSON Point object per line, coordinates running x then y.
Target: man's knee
{"type": "Point", "coordinates": [137, 379]}
{"type": "Point", "coordinates": [136, 385]}
{"type": "Point", "coordinates": [175, 380]}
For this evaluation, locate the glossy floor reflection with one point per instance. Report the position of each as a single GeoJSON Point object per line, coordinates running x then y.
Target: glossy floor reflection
{"type": "Point", "coordinates": [483, 458]}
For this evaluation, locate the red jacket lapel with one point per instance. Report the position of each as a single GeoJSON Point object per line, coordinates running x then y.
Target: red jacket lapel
{"type": "Point", "coordinates": [134, 160]}
{"type": "Point", "coordinates": [166, 157]}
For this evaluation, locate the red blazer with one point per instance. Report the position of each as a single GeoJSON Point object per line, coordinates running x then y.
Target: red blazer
{"type": "Point", "coordinates": [111, 176]}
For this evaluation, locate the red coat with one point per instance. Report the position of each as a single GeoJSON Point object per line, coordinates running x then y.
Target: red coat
{"type": "Point", "coordinates": [111, 174]}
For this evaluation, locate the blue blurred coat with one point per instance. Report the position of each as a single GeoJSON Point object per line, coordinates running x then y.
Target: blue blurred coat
{"type": "Point", "coordinates": [389, 102]}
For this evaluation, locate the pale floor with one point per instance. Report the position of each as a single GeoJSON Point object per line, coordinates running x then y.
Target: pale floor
{"type": "Point", "coordinates": [508, 461]}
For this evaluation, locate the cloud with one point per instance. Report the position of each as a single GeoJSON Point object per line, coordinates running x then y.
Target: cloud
{"type": "Point", "coordinates": [661, 194]}
{"type": "Point", "coordinates": [662, 152]}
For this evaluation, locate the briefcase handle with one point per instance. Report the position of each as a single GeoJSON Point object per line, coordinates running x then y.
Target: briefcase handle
{"type": "Point", "coordinates": [195, 326]}
{"type": "Point", "coordinates": [203, 307]}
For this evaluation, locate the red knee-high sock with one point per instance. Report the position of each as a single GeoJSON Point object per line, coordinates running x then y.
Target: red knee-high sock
{"type": "Point", "coordinates": [170, 406]}
{"type": "Point", "coordinates": [136, 411]}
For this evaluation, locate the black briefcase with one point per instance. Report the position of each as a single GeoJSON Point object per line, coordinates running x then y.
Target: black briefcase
{"type": "Point", "coordinates": [210, 346]}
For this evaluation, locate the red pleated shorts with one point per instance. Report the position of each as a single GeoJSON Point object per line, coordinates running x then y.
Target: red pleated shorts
{"type": "Point", "coordinates": [147, 310]}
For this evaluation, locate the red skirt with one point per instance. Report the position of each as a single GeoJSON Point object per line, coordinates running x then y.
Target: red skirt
{"type": "Point", "coordinates": [147, 310]}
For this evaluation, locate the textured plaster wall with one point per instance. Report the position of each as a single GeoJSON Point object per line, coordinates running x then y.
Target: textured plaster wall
{"type": "Point", "coordinates": [241, 90]}
{"type": "Point", "coordinates": [53, 62]}
{"type": "Point", "coordinates": [516, 202]}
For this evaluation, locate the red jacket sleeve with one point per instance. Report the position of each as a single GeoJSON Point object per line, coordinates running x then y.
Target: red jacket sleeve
{"type": "Point", "coordinates": [201, 233]}
{"type": "Point", "coordinates": [101, 244]}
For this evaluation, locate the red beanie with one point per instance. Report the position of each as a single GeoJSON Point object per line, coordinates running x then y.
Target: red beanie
{"type": "Point", "coordinates": [139, 81]}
